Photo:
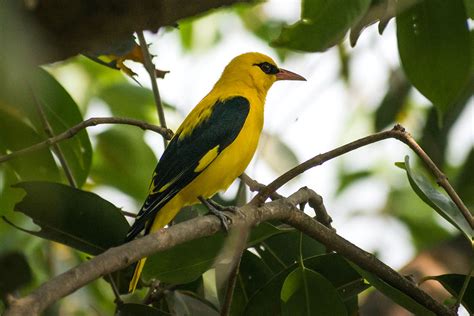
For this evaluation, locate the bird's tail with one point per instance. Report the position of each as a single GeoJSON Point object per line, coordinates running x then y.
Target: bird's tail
{"type": "Point", "coordinates": [136, 275]}
{"type": "Point", "coordinates": [162, 218]}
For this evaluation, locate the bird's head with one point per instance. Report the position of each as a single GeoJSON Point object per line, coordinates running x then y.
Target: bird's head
{"type": "Point", "coordinates": [257, 71]}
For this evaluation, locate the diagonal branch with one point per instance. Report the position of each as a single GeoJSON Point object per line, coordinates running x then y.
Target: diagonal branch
{"type": "Point", "coordinates": [166, 133]}
{"type": "Point", "coordinates": [251, 215]}
{"type": "Point", "coordinates": [315, 201]}
{"type": "Point", "coordinates": [398, 132]}
{"type": "Point", "coordinates": [150, 68]}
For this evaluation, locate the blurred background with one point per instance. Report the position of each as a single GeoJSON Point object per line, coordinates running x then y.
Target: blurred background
{"type": "Point", "coordinates": [350, 92]}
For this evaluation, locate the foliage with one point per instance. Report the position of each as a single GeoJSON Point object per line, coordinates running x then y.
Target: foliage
{"type": "Point", "coordinates": [281, 271]}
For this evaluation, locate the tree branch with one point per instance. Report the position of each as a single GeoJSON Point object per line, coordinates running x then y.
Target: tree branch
{"type": "Point", "coordinates": [398, 132]}
{"type": "Point", "coordinates": [166, 133]}
{"type": "Point", "coordinates": [150, 68]}
{"type": "Point", "coordinates": [256, 186]}
{"type": "Point", "coordinates": [315, 201]}
{"type": "Point", "coordinates": [282, 209]}
{"type": "Point", "coordinates": [70, 27]}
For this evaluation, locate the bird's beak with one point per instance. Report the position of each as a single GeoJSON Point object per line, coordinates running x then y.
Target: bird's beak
{"type": "Point", "coordinates": [284, 74]}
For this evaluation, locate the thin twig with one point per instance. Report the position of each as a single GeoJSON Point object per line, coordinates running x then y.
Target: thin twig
{"type": "Point", "coordinates": [166, 133]}
{"type": "Point", "coordinates": [441, 178]}
{"type": "Point", "coordinates": [398, 132]}
{"type": "Point", "coordinates": [113, 285]}
{"type": "Point", "coordinates": [283, 209]}
{"type": "Point", "coordinates": [256, 186]}
{"type": "Point", "coordinates": [315, 201]}
{"type": "Point", "coordinates": [150, 68]}
{"type": "Point", "coordinates": [56, 149]}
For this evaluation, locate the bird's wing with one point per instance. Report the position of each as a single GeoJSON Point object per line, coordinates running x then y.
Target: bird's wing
{"type": "Point", "coordinates": [187, 155]}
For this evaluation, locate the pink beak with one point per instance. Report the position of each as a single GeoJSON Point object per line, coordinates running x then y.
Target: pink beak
{"type": "Point", "coordinates": [284, 74]}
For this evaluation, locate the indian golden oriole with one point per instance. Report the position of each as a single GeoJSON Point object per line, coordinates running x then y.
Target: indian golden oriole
{"type": "Point", "coordinates": [213, 145]}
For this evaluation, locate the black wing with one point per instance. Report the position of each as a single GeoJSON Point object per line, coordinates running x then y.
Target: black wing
{"type": "Point", "coordinates": [177, 166]}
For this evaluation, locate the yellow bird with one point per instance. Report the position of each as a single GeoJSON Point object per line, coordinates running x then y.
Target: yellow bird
{"type": "Point", "coordinates": [213, 145]}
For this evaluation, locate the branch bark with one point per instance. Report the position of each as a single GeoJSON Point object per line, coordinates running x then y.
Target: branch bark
{"type": "Point", "coordinates": [166, 133]}
{"type": "Point", "coordinates": [397, 132]}
{"type": "Point", "coordinates": [282, 209]}
{"type": "Point", "coordinates": [74, 26]}
{"type": "Point", "coordinates": [150, 68]}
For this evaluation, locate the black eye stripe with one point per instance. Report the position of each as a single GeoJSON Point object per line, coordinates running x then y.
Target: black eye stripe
{"type": "Point", "coordinates": [268, 68]}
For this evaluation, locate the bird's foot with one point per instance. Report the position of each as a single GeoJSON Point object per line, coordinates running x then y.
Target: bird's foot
{"type": "Point", "coordinates": [223, 208]}
{"type": "Point", "coordinates": [218, 210]}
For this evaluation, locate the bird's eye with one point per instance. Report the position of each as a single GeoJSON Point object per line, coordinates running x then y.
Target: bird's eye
{"type": "Point", "coordinates": [268, 68]}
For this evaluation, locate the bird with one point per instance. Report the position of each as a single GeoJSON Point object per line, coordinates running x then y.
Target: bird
{"type": "Point", "coordinates": [212, 147]}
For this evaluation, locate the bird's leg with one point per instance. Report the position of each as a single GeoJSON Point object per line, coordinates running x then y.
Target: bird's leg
{"type": "Point", "coordinates": [222, 208]}
{"type": "Point", "coordinates": [217, 211]}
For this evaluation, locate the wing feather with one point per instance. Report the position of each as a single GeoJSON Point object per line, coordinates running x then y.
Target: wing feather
{"type": "Point", "coordinates": [186, 157]}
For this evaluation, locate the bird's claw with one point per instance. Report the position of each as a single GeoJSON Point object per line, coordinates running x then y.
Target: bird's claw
{"type": "Point", "coordinates": [223, 217]}
{"type": "Point", "coordinates": [218, 210]}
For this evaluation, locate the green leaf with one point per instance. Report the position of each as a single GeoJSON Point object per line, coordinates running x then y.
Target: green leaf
{"type": "Point", "coordinates": [129, 100]}
{"type": "Point", "coordinates": [323, 23]}
{"type": "Point", "coordinates": [62, 113]}
{"type": "Point", "coordinates": [190, 212]}
{"type": "Point", "coordinates": [278, 155]}
{"type": "Point", "coordinates": [186, 262]}
{"type": "Point", "coordinates": [263, 232]}
{"type": "Point", "coordinates": [59, 109]}
{"type": "Point", "coordinates": [465, 181]}
{"type": "Point", "coordinates": [350, 290]}
{"type": "Point", "coordinates": [133, 309]}
{"type": "Point", "coordinates": [306, 292]}
{"type": "Point", "coordinates": [281, 251]}
{"type": "Point", "coordinates": [122, 279]}
{"type": "Point", "coordinates": [187, 303]}
{"type": "Point", "coordinates": [394, 294]}
{"type": "Point", "coordinates": [73, 217]}
{"type": "Point", "coordinates": [347, 179]}
{"type": "Point", "coordinates": [393, 101]}
{"type": "Point", "coordinates": [454, 283]}
{"type": "Point", "coordinates": [469, 4]}
{"type": "Point", "coordinates": [8, 196]}
{"type": "Point", "coordinates": [424, 224]}
{"type": "Point", "coordinates": [380, 10]}
{"type": "Point", "coordinates": [433, 42]}
{"type": "Point", "coordinates": [118, 153]}
{"type": "Point", "coordinates": [332, 266]}
{"type": "Point", "coordinates": [15, 272]}
{"type": "Point", "coordinates": [186, 34]}
{"type": "Point", "coordinates": [252, 274]}
{"type": "Point", "coordinates": [440, 202]}
{"type": "Point", "coordinates": [471, 36]}
{"type": "Point", "coordinates": [15, 134]}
